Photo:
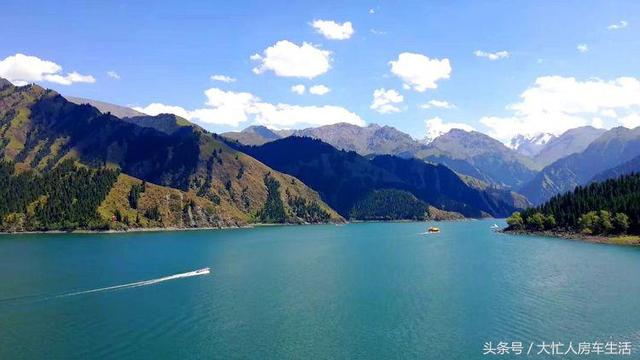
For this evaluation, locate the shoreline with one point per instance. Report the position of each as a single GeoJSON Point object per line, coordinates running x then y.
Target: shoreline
{"type": "Point", "coordinates": [154, 229]}
{"type": "Point", "coordinates": [247, 226]}
{"type": "Point", "coordinates": [627, 240]}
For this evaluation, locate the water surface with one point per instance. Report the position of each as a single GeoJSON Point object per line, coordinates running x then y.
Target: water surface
{"type": "Point", "coordinates": [377, 290]}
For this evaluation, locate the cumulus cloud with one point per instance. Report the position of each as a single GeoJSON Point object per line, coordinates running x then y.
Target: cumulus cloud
{"type": "Point", "coordinates": [285, 116]}
{"type": "Point", "coordinates": [620, 25]}
{"type": "Point", "coordinates": [225, 107]}
{"type": "Point", "coordinates": [555, 104]}
{"type": "Point", "coordinates": [418, 72]}
{"type": "Point", "coordinates": [233, 108]}
{"type": "Point", "coordinates": [223, 78]}
{"type": "Point", "coordinates": [630, 121]}
{"type": "Point", "coordinates": [287, 59]}
{"type": "Point", "coordinates": [436, 127]}
{"type": "Point", "coordinates": [22, 69]}
{"type": "Point", "coordinates": [333, 30]}
{"type": "Point", "coordinates": [384, 101]}
{"type": "Point", "coordinates": [492, 56]}
{"type": "Point", "coordinates": [583, 48]}
{"type": "Point", "coordinates": [597, 123]}
{"type": "Point", "coordinates": [154, 109]}
{"type": "Point", "coordinates": [441, 104]}
{"type": "Point", "coordinates": [319, 90]}
{"type": "Point", "coordinates": [114, 75]}
{"type": "Point", "coordinates": [298, 89]}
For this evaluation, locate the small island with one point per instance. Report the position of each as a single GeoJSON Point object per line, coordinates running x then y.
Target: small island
{"type": "Point", "coordinates": [605, 212]}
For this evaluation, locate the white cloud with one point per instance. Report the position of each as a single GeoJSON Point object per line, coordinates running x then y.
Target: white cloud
{"type": "Point", "coordinates": [319, 90]}
{"type": "Point", "coordinates": [583, 48]}
{"type": "Point", "coordinates": [620, 25]}
{"type": "Point", "coordinates": [597, 123]}
{"type": "Point", "coordinates": [114, 75]}
{"type": "Point", "coordinates": [223, 78]}
{"type": "Point", "coordinates": [372, 11]}
{"type": "Point", "coordinates": [630, 121]}
{"type": "Point", "coordinates": [285, 116]}
{"type": "Point", "coordinates": [298, 89]}
{"type": "Point", "coordinates": [436, 127]}
{"type": "Point", "coordinates": [419, 72]}
{"type": "Point", "coordinates": [287, 59]}
{"type": "Point", "coordinates": [384, 101]}
{"type": "Point", "coordinates": [333, 30]}
{"type": "Point", "coordinates": [22, 69]}
{"type": "Point", "coordinates": [233, 108]}
{"type": "Point", "coordinates": [158, 108]}
{"type": "Point", "coordinates": [492, 56]}
{"type": "Point", "coordinates": [441, 104]}
{"type": "Point", "coordinates": [609, 113]}
{"type": "Point", "coordinates": [555, 104]}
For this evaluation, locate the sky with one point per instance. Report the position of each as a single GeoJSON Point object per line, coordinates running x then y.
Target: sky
{"type": "Point", "coordinates": [500, 67]}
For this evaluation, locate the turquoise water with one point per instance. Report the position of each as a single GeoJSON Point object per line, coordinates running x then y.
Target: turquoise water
{"type": "Point", "coordinates": [378, 290]}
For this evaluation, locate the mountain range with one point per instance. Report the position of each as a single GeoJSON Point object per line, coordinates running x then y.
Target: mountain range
{"type": "Point", "coordinates": [538, 166]}
{"type": "Point", "coordinates": [343, 178]}
{"type": "Point", "coordinates": [608, 151]}
{"type": "Point", "coordinates": [193, 177]}
{"type": "Point", "coordinates": [163, 171]}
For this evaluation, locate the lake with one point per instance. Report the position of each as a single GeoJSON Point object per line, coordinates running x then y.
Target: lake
{"type": "Point", "coordinates": [370, 290]}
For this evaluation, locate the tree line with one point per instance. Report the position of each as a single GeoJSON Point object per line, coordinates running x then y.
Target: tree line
{"type": "Point", "coordinates": [608, 207]}
{"type": "Point", "coordinates": [67, 197]}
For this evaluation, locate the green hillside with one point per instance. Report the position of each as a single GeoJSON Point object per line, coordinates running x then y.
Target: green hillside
{"type": "Point", "coordinates": [39, 129]}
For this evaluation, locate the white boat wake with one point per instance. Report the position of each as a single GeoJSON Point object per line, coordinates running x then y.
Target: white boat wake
{"type": "Point", "coordinates": [204, 271]}
{"type": "Point", "coordinates": [199, 272]}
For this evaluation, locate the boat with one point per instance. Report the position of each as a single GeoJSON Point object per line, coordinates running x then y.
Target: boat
{"type": "Point", "coordinates": [433, 229]}
{"type": "Point", "coordinates": [495, 226]}
{"type": "Point", "coordinates": [202, 271]}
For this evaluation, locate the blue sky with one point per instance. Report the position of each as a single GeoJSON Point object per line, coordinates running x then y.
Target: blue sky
{"type": "Point", "coordinates": [166, 52]}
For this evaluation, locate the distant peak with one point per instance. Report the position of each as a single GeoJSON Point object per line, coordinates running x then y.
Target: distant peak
{"type": "Point", "coordinates": [525, 140]}
{"type": "Point", "coordinates": [4, 83]}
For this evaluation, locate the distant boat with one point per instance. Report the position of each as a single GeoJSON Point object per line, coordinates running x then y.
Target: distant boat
{"type": "Point", "coordinates": [495, 226]}
{"type": "Point", "coordinates": [433, 229]}
{"type": "Point", "coordinates": [202, 271]}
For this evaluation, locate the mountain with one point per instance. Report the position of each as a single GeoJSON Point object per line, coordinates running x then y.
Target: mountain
{"type": "Point", "coordinates": [631, 166]}
{"type": "Point", "coordinates": [570, 142]}
{"type": "Point", "coordinates": [478, 155]}
{"type": "Point", "coordinates": [344, 178]}
{"type": "Point", "coordinates": [470, 153]}
{"type": "Point", "coordinates": [39, 129]}
{"type": "Point", "coordinates": [611, 149]}
{"type": "Point", "coordinates": [530, 145]}
{"type": "Point", "coordinates": [372, 139]}
{"type": "Point", "coordinates": [253, 135]}
{"type": "Point", "coordinates": [166, 123]}
{"type": "Point", "coordinates": [104, 107]}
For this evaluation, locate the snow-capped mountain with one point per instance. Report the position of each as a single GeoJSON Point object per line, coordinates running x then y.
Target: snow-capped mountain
{"type": "Point", "coordinates": [530, 145]}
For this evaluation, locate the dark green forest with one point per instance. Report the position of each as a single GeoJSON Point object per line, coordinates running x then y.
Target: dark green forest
{"type": "Point", "coordinates": [608, 207]}
{"type": "Point", "coordinates": [273, 210]}
{"type": "Point", "coordinates": [389, 204]}
{"type": "Point", "coordinates": [308, 211]}
{"type": "Point", "coordinates": [64, 198]}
